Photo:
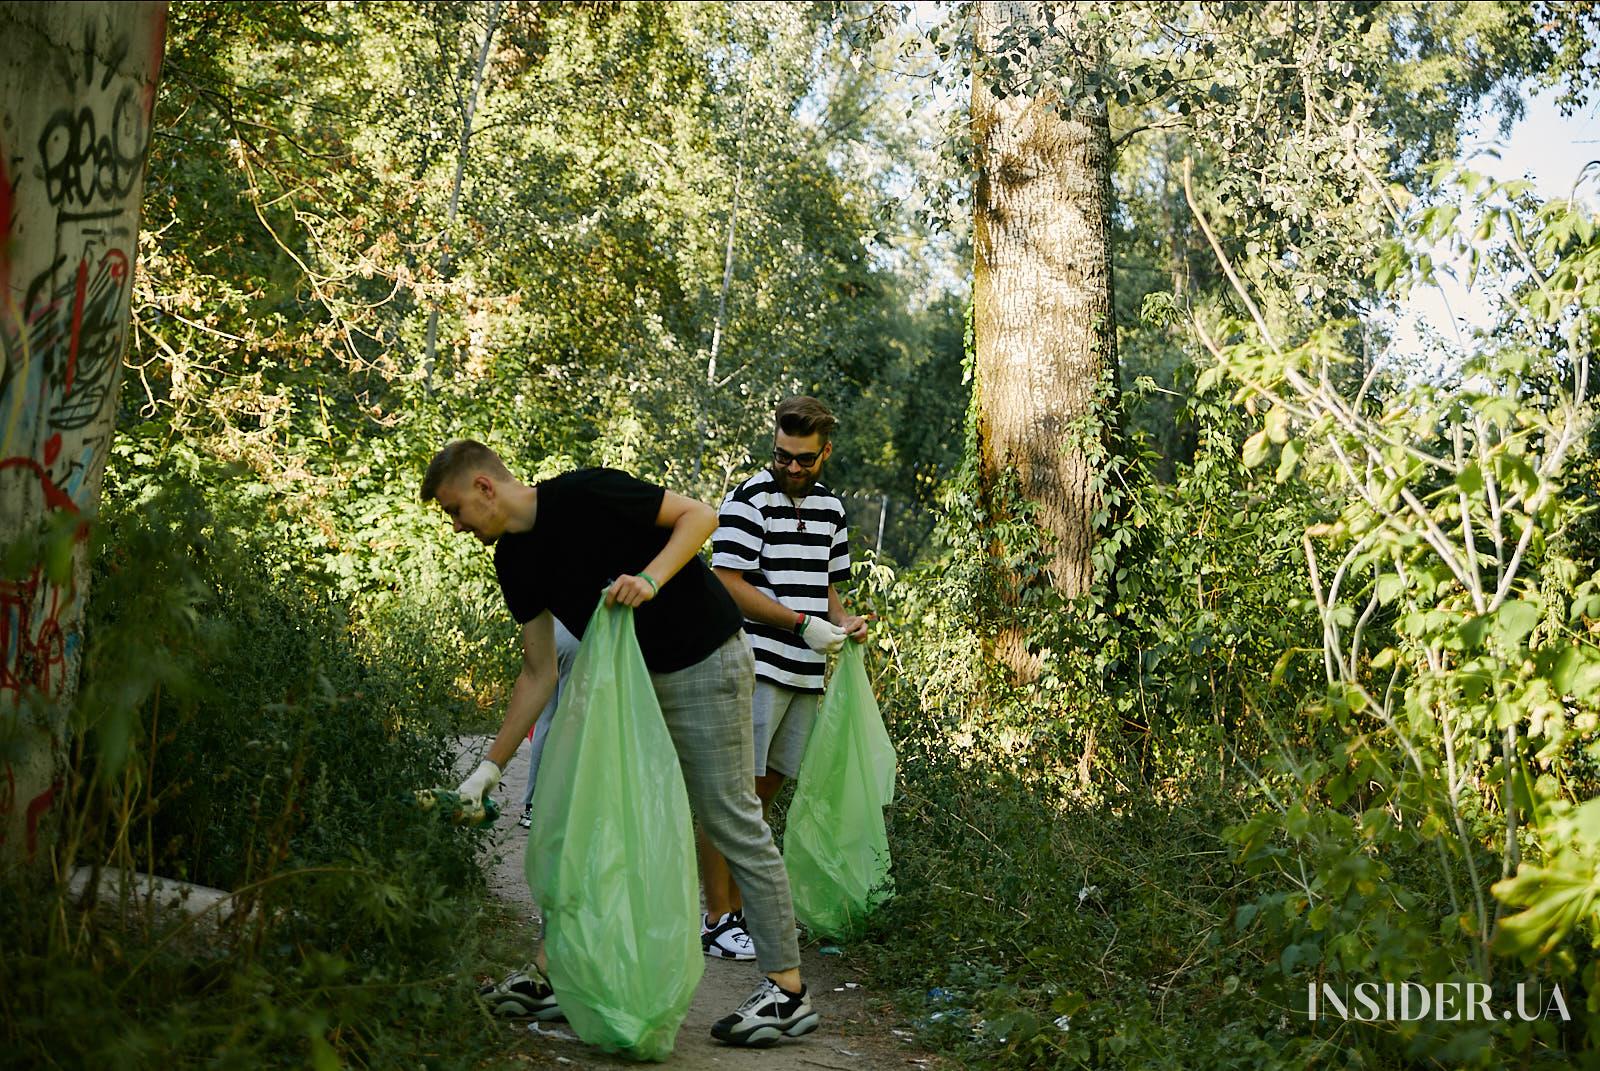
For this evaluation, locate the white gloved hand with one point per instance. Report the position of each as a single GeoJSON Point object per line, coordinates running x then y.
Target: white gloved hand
{"type": "Point", "coordinates": [479, 785]}
{"type": "Point", "coordinates": [822, 635]}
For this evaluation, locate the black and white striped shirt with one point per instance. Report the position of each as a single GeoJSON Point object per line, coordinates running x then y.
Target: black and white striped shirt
{"type": "Point", "coordinates": [789, 552]}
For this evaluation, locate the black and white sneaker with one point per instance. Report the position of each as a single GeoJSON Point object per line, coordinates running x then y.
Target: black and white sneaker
{"type": "Point", "coordinates": [524, 994]}
{"type": "Point", "coordinates": [726, 938]}
{"type": "Point", "coordinates": [769, 1013]}
{"type": "Point", "coordinates": [526, 821]}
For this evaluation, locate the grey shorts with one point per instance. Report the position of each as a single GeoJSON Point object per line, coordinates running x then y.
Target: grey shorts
{"type": "Point", "coordinates": [783, 718]}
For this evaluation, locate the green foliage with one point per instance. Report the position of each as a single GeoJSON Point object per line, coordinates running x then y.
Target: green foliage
{"type": "Point", "coordinates": [290, 269]}
{"type": "Point", "coordinates": [1064, 895]}
{"type": "Point", "coordinates": [1295, 117]}
{"type": "Point", "coordinates": [1240, 768]}
{"type": "Point", "coordinates": [1458, 716]}
{"type": "Point", "coordinates": [1312, 743]}
{"type": "Point", "coordinates": [243, 732]}
{"type": "Point", "coordinates": [1028, 934]}
{"type": "Point", "coordinates": [282, 640]}
{"type": "Point", "coordinates": [1037, 924]}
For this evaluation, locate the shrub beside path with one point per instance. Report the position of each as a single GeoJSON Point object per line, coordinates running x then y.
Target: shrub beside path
{"type": "Point", "coordinates": [860, 1030]}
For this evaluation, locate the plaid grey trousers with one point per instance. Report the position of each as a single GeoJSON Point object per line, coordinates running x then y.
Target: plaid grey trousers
{"type": "Point", "coordinates": [707, 711]}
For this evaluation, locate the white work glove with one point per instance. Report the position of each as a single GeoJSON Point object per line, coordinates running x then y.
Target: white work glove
{"type": "Point", "coordinates": [822, 635]}
{"type": "Point", "coordinates": [479, 785]}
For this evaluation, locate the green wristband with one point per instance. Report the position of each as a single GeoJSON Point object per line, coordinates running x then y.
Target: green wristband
{"type": "Point", "coordinates": [655, 588]}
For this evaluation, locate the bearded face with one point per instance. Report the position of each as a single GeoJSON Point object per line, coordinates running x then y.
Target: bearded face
{"type": "Point", "coordinates": [797, 461]}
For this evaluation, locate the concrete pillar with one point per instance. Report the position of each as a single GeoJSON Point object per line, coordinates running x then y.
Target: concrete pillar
{"type": "Point", "coordinates": [77, 85]}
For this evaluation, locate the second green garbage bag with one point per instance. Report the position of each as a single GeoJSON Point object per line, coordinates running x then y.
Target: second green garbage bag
{"type": "Point", "coordinates": [611, 855]}
{"type": "Point", "coordinates": [834, 844]}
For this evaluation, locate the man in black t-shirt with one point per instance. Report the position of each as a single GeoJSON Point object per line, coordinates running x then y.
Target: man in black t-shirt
{"type": "Point", "coordinates": [556, 544]}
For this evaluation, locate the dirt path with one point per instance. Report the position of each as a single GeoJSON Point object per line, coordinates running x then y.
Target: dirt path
{"type": "Point", "coordinates": [859, 1030]}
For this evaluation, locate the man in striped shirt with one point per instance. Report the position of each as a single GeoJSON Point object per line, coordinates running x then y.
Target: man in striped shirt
{"type": "Point", "coordinates": [781, 547]}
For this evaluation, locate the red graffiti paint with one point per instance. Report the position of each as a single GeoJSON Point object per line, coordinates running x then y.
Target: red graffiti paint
{"type": "Point", "coordinates": [41, 653]}
{"type": "Point", "coordinates": [77, 324]}
{"type": "Point", "coordinates": [52, 448]}
{"type": "Point", "coordinates": [36, 808]}
{"type": "Point", "coordinates": [40, 641]}
{"type": "Point", "coordinates": [158, 55]}
{"type": "Point", "coordinates": [54, 497]}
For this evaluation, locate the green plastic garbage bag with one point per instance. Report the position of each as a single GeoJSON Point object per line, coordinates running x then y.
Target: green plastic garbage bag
{"type": "Point", "coordinates": [611, 855]}
{"type": "Point", "coordinates": [835, 845]}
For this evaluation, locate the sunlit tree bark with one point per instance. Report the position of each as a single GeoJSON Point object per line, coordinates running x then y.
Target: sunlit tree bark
{"type": "Point", "coordinates": [1042, 312]}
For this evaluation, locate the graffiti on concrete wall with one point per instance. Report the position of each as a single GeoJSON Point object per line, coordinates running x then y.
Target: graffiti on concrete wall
{"type": "Point", "coordinates": [74, 133]}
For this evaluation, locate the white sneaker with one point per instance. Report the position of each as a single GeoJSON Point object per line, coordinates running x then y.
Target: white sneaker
{"type": "Point", "coordinates": [524, 994]}
{"type": "Point", "coordinates": [768, 1014]}
{"type": "Point", "coordinates": [726, 938]}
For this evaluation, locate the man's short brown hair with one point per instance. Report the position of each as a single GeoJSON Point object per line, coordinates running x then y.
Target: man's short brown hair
{"type": "Point", "coordinates": [457, 459]}
{"type": "Point", "coordinates": [804, 415]}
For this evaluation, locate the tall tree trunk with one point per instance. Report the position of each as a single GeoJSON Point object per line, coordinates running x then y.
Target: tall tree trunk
{"type": "Point", "coordinates": [703, 432]}
{"type": "Point", "coordinates": [77, 85]}
{"type": "Point", "coordinates": [468, 109]}
{"type": "Point", "coordinates": [1042, 315]}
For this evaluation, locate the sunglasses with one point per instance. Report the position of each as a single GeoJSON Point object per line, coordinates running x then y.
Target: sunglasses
{"type": "Point", "coordinates": [784, 458]}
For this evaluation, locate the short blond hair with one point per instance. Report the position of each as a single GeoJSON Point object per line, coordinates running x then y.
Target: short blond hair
{"type": "Point", "coordinates": [458, 459]}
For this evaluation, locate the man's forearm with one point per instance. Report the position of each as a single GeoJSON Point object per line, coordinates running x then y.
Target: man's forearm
{"type": "Point", "coordinates": [528, 697]}
{"type": "Point", "coordinates": [754, 604]}
{"type": "Point", "coordinates": [836, 611]}
{"type": "Point", "coordinates": [689, 534]}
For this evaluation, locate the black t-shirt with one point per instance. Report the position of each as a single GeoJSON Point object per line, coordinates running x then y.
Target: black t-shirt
{"type": "Point", "coordinates": [592, 526]}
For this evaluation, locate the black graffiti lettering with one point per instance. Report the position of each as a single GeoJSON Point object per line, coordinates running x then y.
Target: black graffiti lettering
{"type": "Point", "coordinates": [75, 330]}
{"type": "Point", "coordinates": [82, 165]}
{"type": "Point", "coordinates": [88, 336]}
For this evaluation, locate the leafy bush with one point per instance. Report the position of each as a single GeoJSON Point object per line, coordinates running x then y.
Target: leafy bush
{"type": "Point", "coordinates": [1340, 724]}
{"type": "Point", "coordinates": [244, 729]}
{"type": "Point", "coordinates": [1455, 734]}
{"type": "Point", "coordinates": [1061, 904]}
